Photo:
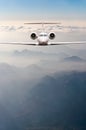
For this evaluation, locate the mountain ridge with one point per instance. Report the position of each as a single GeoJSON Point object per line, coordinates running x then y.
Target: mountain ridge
{"type": "Point", "coordinates": [74, 59]}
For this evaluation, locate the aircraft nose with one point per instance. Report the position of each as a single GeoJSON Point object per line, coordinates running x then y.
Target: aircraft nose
{"type": "Point", "coordinates": [43, 40]}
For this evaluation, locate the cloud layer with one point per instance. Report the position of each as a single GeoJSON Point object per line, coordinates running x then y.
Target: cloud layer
{"type": "Point", "coordinates": [63, 27]}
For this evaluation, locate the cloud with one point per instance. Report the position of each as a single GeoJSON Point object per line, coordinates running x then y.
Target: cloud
{"type": "Point", "coordinates": [66, 28]}
{"type": "Point", "coordinates": [17, 28]}
{"type": "Point", "coordinates": [57, 28]}
{"type": "Point", "coordinates": [12, 28]}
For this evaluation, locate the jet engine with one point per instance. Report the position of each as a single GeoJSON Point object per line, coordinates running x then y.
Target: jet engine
{"type": "Point", "coordinates": [51, 36]}
{"type": "Point", "coordinates": [33, 36]}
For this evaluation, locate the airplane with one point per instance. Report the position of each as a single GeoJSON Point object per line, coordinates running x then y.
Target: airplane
{"type": "Point", "coordinates": [44, 39]}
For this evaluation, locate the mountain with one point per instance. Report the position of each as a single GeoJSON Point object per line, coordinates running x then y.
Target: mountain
{"type": "Point", "coordinates": [74, 59]}
{"type": "Point", "coordinates": [56, 102]}
{"type": "Point", "coordinates": [28, 53]}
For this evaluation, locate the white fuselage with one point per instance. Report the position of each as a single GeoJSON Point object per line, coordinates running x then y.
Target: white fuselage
{"type": "Point", "coordinates": [43, 39]}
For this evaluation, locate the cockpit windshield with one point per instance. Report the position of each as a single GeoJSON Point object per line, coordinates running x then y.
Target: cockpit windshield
{"type": "Point", "coordinates": [41, 35]}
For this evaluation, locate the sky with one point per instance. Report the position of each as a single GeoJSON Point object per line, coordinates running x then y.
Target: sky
{"type": "Point", "coordinates": [42, 9]}
{"type": "Point", "coordinates": [70, 13]}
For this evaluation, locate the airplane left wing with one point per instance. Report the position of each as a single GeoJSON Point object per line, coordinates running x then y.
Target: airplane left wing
{"type": "Point", "coordinates": [68, 43]}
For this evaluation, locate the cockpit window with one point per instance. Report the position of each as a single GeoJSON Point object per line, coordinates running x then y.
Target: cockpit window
{"type": "Point", "coordinates": [41, 35]}
{"type": "Point", "coordinates": [45, 35]}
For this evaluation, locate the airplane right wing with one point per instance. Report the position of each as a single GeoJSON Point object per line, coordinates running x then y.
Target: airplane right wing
{"type": "Point", "coordinates": [20, 43]}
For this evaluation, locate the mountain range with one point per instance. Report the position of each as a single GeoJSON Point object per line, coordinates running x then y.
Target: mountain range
{"type": "Point", "coordinates": [74, 59]}
{"type": "Point", "coordinates": [56, 101]}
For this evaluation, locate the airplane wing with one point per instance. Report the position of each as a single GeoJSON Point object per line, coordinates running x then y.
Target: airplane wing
{"type": "Point", "coordinates": [20, 43]}
{"type": "Point", "coordinates": [50, 44]}
{"type": "Point", "coordinates": [68, 43]}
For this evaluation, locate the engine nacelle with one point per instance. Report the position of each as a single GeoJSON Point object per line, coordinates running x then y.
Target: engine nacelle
{"type": "Point", "coordinates": [33, 36]}
{"type": "Point", "coordinates": [52, 36]}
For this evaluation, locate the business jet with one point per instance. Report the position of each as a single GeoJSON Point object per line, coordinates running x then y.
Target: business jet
{"type": "Point", "coordinates": [44, 38]}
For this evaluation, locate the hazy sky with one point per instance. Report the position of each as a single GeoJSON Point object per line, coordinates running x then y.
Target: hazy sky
{"type": "Point", "coordinates": [71, 14]}
{"type": "Point", "coordinates": [42, 9]}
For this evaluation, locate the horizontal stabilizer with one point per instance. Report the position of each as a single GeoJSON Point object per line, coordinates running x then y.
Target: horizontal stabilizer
{"type": "Point", "coordinates": [43, 23]}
